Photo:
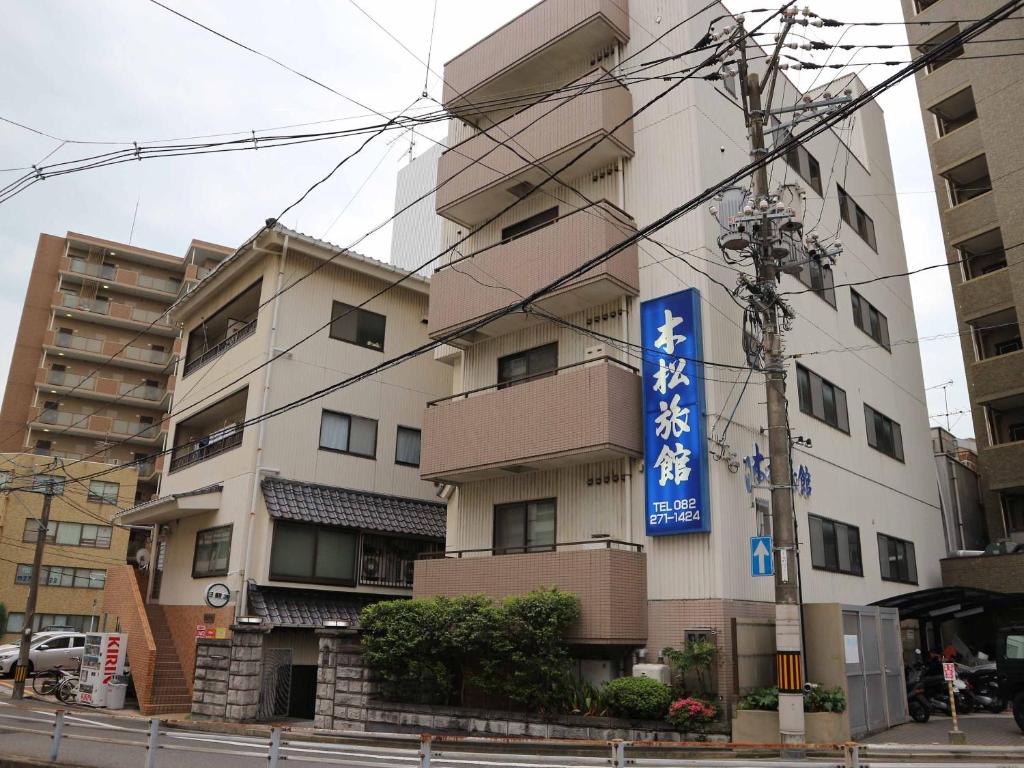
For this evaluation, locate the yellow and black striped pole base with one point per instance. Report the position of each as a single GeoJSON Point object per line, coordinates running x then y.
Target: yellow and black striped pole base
{"type": "Point", "coordinates": [788, 671]}
{"type": "Point", "coordinates": [20, 674]}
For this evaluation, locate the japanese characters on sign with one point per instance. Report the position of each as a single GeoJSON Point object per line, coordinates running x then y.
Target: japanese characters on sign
{"type": "Point", "coordinates": [757, 472]}
{"type": "Point", "coordinates": [675, 451]}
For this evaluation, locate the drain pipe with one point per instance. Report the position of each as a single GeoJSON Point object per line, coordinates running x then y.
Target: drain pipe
{"type": "Point", "coordinates": [241, 605]}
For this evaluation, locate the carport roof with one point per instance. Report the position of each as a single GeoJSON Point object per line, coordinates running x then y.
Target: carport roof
{"type": "Point", "coordinates": [949, 602]}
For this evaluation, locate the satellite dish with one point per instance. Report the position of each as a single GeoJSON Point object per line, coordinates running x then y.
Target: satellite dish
{"type": "Point", "coordinates": [142, 558]}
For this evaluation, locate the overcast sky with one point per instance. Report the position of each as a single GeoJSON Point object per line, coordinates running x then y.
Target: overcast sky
{"type": "Point", "coordinates": [128, 70]}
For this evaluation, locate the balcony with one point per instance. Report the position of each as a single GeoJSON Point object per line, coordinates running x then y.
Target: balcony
{"type": "Point", "coordinates": [608, 577]}
{"type": "Point", "coordinates": [98, 427]}
{"type": "Point", "coordinates": [460, 293]}
{"type": "Point", "coordinates": [1001, 465]}
{"type": "Point", "coordinates": [522, 56]}
{"type": "Point", "coordinates": [479, 177]}
{"type": "Point", "coordinates": [583, 412]}
{"type": "Point", "coordinates": [101, 388]}
{"type": "Point", "coordinates": [220, 348]}
{"type": "Point", "coordinates": [983, 295]}
{"type": "Point", "coordinates": [969, 217]}
{"type": "Point", "coordinates": [211, 432]}
{"type": "Point", "coordinates": [114, 313]}
{"type": "Point", "coordinates": [997, 377]}
{"type": "Point", "coordinates": [962, 143]}
{"type": "Point", "coordinates": [79, 347]}
{"type": "Point", "coordinates": [128, 280]}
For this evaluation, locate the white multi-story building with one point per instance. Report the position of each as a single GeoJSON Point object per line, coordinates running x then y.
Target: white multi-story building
{"type": "Point", "coordinates": [416, 232]}
{"type": "Point", "coordinates": [542, 439]}
{"type": "Point", "coordinates": [306, 516]}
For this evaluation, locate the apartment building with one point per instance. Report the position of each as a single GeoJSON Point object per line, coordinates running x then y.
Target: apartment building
{"type": "Point", "coordinates": [82, 542]}
{"type": "Point", "coordinates": [304, 517]}
{"type": "Point", "coordinates": [975, 142]}
{"type": "Point", "coordinates": [416, 232]}
{"type": "Point", "coordinates": [541, 443]}
{"type": "Point", "coordinates": [92, 372]}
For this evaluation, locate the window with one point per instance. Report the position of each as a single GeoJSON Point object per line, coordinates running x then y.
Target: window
{"type": "Point", "coordinates": [763, 511]}
{"type": "Point", "coordinates": [968, 180]}
{"type": "Point", "coordinates": [70, 534]}
{"type": "Point", "coordinates": [103, 491]}
{"type": "Point", "coordinates": [855, 216]}
{"type": "Point", "coordinates": [1008, 346]}
{"type": "Point", "coordinates": [818, 278]}
{"type": "Point", "coordinates": [524, 527]}
{"type": "Point", "coordinates": [954, 112]}
{"type": "Point", "coordinates": [896, 559]}
{"type": "Point", "coordinates": [982, 255]}
{"type": "Point", "coordinates": [348, 434]}
{"type": "Point", "coordinates": [803, 162]}
{"type": "Point", "coordinates": [532, 363]}
{"type": "Point", "coordinates": [213, 551]}
{"type": "Point", "coordinates": [835, 546]}
{"type": "Point", "coordinates": [62, 576]}
{"type": "Point", "coordinates": [63, 621]}
{"type": "Point", "coordinates": [407, 447]}
{"type": "Point", "coordinates": [313, 554]}
{"type": "Point", "coordinates": [1014, 647]}
{"type": "Point", "coordinates": [822, 399]}
{"type": "Point", "coordinates": [357, 326]}
{"type": "Point", "coordinates": [1013, 507]}
{"type": "Point", "coordinates": [529, 224]}
{"type": "Point", "coordinates": [52, 485]}
{"type": "Point", "coordinates": [943, 37]}
{"type": "Point", "coordinates": [870, 320]}
{"type": "Point", "coordinates": [884, 434]}
{"type": "Point", "coordinates": [921, 5]}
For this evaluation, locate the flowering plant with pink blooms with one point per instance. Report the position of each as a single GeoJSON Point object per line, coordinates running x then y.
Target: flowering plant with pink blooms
{"type": "Point", "coordinates": [691, 713]}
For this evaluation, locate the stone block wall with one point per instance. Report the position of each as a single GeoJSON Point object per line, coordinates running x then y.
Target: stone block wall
{"type": "Point", "coordinates": [344, 686]}
{"type": "Point", "coordinates": [210, 684]}
{"type": "Point", "coordinates": [228, 674]}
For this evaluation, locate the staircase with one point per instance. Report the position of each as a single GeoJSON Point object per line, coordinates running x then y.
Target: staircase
{"type": "Point", "coordinates": [170, 692]}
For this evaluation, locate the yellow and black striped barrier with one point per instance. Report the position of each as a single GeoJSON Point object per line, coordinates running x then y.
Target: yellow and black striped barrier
{"type": "Point", "coordinates": [787, 671]}
{"type": "Point", "coordinates": [20, 674]}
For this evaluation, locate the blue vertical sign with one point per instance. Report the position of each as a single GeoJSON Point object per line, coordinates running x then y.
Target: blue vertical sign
{"type": "Point", "coordinates": [675, 451]}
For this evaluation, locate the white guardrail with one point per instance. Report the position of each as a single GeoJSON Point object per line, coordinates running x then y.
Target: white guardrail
{"type": "Point", "coordinates": [373, 749]}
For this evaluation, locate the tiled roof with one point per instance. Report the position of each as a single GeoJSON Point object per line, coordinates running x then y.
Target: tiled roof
{"type": "Point", "coordinates": [329, 505]}
{"type": "Point", "coordinates": [283, 607]}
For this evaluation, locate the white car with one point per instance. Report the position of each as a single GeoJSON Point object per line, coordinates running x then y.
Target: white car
{"type": "Point", "coordinates": [49, 650]}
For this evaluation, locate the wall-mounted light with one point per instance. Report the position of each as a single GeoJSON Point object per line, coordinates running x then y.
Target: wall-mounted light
{"type": "Point", "coordinates": [249, 620]}
{"type": "Point", "coordinates": [335, 624]}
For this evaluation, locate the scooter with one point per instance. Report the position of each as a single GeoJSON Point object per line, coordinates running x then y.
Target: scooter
{"type": "Point", "coordinates": [983, 686]}
{"type": "Point", "coordinates": [917, 702]}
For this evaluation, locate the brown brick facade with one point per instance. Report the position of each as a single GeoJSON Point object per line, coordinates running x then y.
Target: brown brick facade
{"type": "Point", "coordinates": [125, 611]}
{"type": "Point", "coordinates": [611, 585]}
{"type": "Point", "coordinates": [999, 573]}
{"type": "Point", "coordinates": [182, 621]}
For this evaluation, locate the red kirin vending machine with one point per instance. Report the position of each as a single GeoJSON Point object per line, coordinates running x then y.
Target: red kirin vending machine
{"type": "Point", "coordinates": [102, 665]}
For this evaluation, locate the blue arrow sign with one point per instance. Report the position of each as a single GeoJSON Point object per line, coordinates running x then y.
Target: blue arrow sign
{"type": "Point", "coordinates": [761, 561]}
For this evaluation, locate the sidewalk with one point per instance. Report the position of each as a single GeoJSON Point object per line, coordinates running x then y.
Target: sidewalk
{"type": "Point", "coordinates": [7, 688]}
{"type": "Point", "coordinates": [981, 729]}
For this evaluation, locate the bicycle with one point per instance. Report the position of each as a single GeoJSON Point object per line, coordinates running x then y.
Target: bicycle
{"type": "Point", "coordinates": [67, 691]}
{"type": "Point", "coordinates": [46, 683]}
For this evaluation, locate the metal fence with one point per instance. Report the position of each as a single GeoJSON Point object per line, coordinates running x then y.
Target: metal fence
{"type": "Point", "coordinates": [148, 739]}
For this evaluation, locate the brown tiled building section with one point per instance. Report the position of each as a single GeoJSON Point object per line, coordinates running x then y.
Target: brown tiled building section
{"type": "Point", "coordinates": [999, 573]}
{"type": "Point", "coordinates": [611, 585]}
{"type": "Point", "coordinates": [670, 620]}
{"type": "Point", "coordinates": [461, 294]}
{"type": "Point", "coordinates": [182, 621]}
{"type": "Point", "coordinates": [596, 406]}
{"type": "Point", "coordinates": [35, 317]}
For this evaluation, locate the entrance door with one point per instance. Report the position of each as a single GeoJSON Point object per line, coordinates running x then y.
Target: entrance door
{"type": "Point", "coordinates": [892, 666]}
{"type": "Point", "coordinates": [874, 669]}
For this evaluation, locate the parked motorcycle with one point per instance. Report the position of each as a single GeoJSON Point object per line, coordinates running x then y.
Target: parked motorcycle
{"type": "Point", "coordinates": [983, 687]}
{"type": "Point", "coordinates": [917, 702]}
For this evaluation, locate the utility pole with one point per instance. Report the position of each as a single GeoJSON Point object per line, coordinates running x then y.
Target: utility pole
{"type": "Point", "coordinates": [21, 671]}
{"type": "Point", "coordinates": [773, 242]}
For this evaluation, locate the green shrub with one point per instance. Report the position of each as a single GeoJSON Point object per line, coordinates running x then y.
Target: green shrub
{"type": "Point", "coordinates": [815, 700]}
{"type": "Point", "coordinates": [760, 698]}
{"type": "Point", "coordinates": [697, 656]}
{"type": "Point", "coordinates": [825, 700]}
{"type": "Point", "coordinates": [524, 656]}
{"type": "Point", "coordinates": [421, 649]}
{"type": "Point", "coordinates": [637, 698]}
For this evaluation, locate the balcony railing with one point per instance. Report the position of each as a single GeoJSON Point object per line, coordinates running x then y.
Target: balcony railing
{"type": "Point", "coordinates": [95, 347]}
{"type": "Point", "coordinates": [63, 418]}
{"type": "Point", "coordinates": [164, 285]}
{"type": "Point", "coordinates": [602, 543]}
{"type": "Point", "coordinates": [65, 379]}
{"type": "Point", "coordinates": [388, 562]}
{"type": "Point", "coordinates": [99, 306]}
{"type": "Point", "coordinates": [219, 349]}
{"type": "Point", "coordinates": [81, 343]}
{"type": "Point", "coordinates": [204, 448]}
{"type": "Point", "coordinates": [141, 391]}
{"type": "Point", "coordinates": [599, 397]}
{"type": "Point", "coordinates": [102, 271]}
{"type": "Point", "coordinates": [155, 356]}
{"type": "Point", "coordinates": [135, 429]}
